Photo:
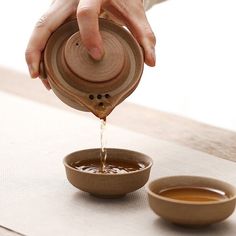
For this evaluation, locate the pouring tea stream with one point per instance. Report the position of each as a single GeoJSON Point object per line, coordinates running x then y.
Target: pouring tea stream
{"type": "Point", "coordinates": [89, 85]}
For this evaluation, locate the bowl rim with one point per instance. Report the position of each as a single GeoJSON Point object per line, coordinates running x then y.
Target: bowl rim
{"type": "Point", "coordinates": [109, 174]}
{"type": "Point", "coordinates": [197, 203]}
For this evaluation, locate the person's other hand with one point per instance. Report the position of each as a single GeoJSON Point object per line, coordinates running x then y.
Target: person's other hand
{"type": "Point", "coordinates": [130, 12]}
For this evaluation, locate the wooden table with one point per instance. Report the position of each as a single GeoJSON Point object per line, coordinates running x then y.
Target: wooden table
{"type": "Point", "coordinates": [169, 127]}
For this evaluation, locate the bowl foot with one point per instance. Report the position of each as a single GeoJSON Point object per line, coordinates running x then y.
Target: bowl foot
{"type": "Point", "coordinates": [108, 196]}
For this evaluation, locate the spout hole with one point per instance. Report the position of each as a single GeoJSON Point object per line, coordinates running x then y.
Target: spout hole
{"type": "Point", "coordinates": [77, 44]}
{"type": "Point", "coordinates": [99, 96]}
{"type": "Point", "coordinates": [91, 97]}
{"type": "Point", "coordinates": [107, 95]}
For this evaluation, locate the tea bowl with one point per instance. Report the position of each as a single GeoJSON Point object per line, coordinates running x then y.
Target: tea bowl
{"type": "Point", "coordinates": [191, 213]}
{"type": "Point", "coordinates": [107, 185]}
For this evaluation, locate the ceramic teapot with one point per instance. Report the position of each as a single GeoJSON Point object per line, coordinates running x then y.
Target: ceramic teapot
{"type": "Point", "coordinates": [84, 83]}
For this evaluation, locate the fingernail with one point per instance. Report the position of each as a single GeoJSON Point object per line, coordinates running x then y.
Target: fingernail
{"type": "Point", "coordinates": [96, 53]}
{"type": "Point", "coordinates": [46, 84]}
{"type": "Point", "coordinates": [32, 71]}
{"type": "Point", "coordinates": [153, 55]}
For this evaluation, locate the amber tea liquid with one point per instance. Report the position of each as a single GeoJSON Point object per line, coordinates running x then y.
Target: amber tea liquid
{"type": "Point", "coordinates": [110, 167]}
{"type": "Point", "coordinates": [199, 194]}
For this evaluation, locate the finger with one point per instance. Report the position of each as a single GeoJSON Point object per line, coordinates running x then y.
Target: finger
{"type": "Point", "coordinates": [145, 37]}
{"type": "Point", "coordinates": [147, 40]}
{"type": "Point", "coordinates": [87, 16]}
{"type": "Point", "coordinates": [138, 24]}
{"type": "Point", "coordinates": [42, 31]}
{"type": "Point", "coordinates": [46, 84]}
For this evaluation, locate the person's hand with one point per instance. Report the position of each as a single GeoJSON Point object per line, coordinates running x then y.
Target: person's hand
{"type": "Point", "coordinates": [130, 12]}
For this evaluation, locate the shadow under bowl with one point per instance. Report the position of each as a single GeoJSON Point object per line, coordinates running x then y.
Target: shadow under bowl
{"type": "Point", "coordinates": [191, 213]}
{"type": "Point", "coordinates": [108, 185]}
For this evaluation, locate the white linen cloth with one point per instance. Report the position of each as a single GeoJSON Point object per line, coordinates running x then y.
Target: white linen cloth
{"type": "Point", "coordinates": [37, 200]}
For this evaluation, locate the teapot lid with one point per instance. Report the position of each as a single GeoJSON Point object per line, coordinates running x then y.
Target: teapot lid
{"type": "Point", "coordinates": [84, 83]}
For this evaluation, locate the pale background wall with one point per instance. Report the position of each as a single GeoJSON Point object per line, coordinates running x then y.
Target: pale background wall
{"type": "Point", "coordinates": [196, 50]}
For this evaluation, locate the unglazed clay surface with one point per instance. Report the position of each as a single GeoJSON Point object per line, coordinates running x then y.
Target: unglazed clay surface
{"type": "Point", "coordinates": [86, 84]}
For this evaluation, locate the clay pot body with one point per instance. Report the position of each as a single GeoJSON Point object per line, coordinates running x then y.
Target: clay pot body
{"type": "Point", "coordinates": [86, 84]}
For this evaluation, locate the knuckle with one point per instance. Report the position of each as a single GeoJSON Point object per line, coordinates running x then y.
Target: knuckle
{"type": "Point", "coordinates": [150, 35]}
{"type": "Point", "coordinates": [31, 54]}
{"type": "Point", "coordinates": [45, 23]}
{"type": "Point", "coordinates": [28, 55]}
{"type": "Point", "coordinates": [42, 22]}
{"type": "Point", "coordinates": [84, 12]}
